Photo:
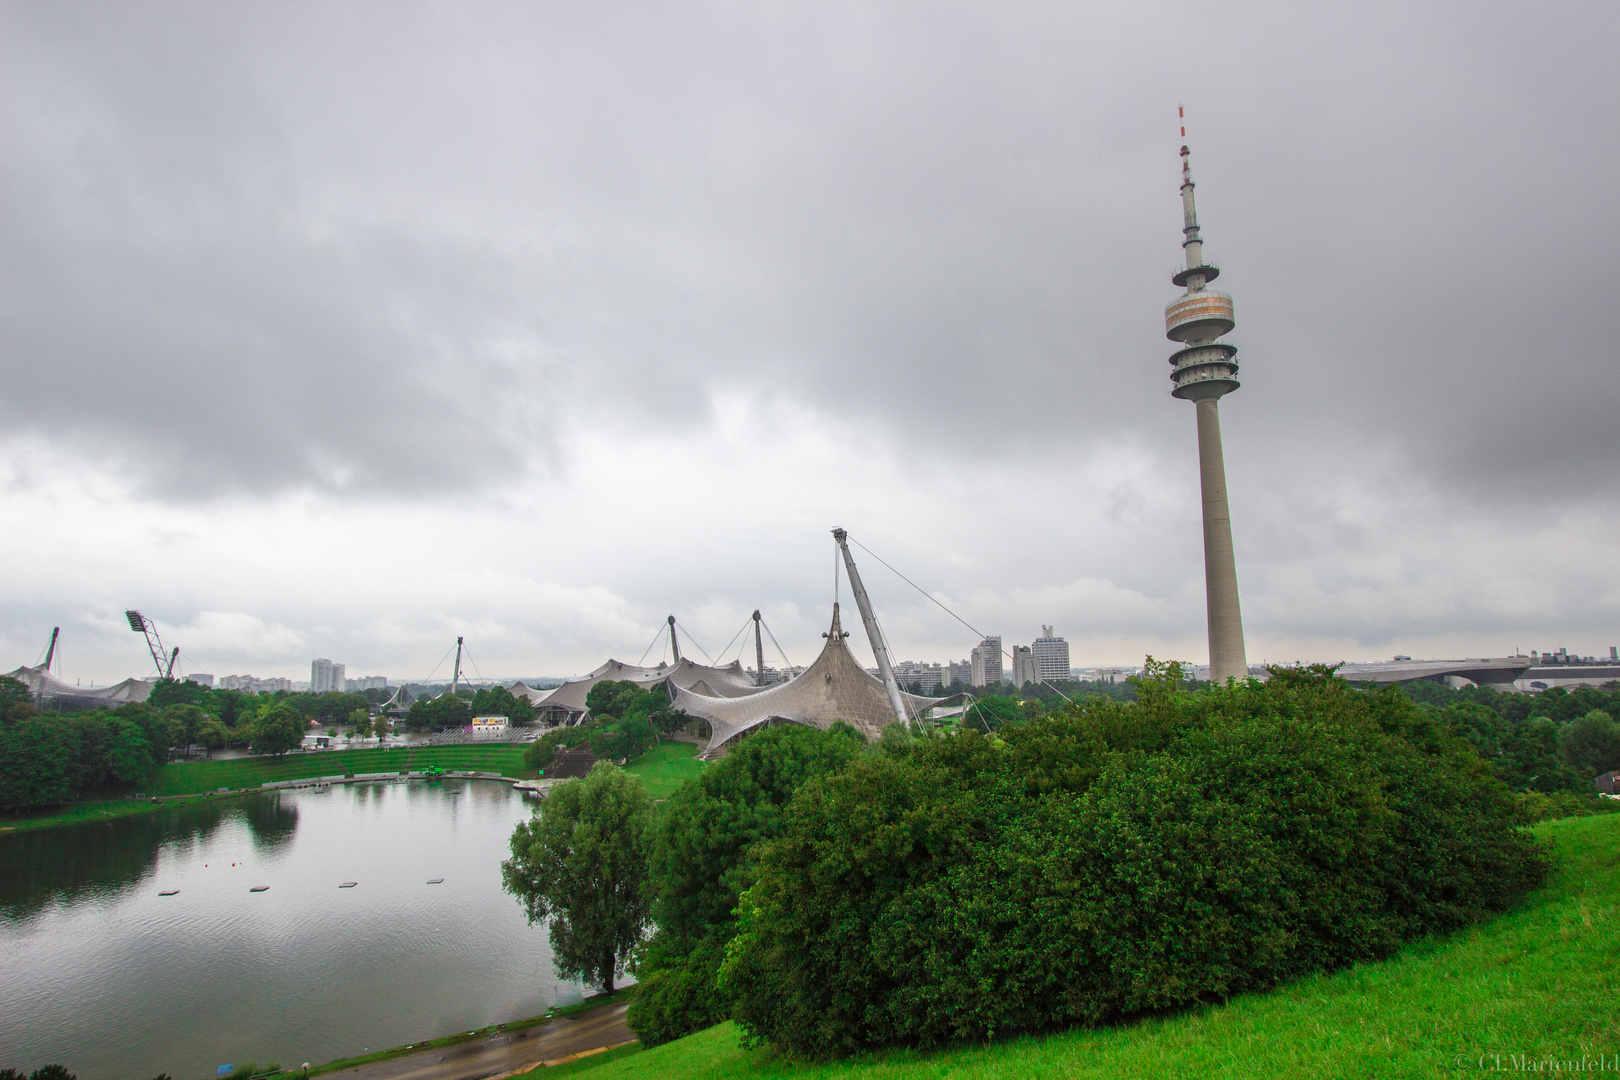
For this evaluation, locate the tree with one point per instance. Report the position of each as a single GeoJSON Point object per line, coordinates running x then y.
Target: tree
{"type": "Point", "coordinates": [213, 735]}
{"type": "Point", "coordinates": [499, 701]}
{"type": "Point", "coordinates": [627, 739]}
{"type": "Point", "coordinates": [1591, 744]}
{"type": "Point", "coordinates": [277, 730]}
{"type": "Point", "coordinates": [610, 698]}
{"type": "Point", "coordinates": [14, 700]}
{"type": "Point", "coordinates": [360, 722]}
{"type": "Point", "coordinates": [437, 713]}
{"type": "Point", "coordinates": [183, 722]}
{"type": "Point", "coordinates": [166, 692]}
{"type": "Point", "coordinates": [700, 863]}
{"type": "Point", "coordinates": [582, 863]}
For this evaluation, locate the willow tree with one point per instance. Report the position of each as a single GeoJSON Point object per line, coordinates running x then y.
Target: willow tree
{"type": "Point", "coordinates": [581, 862]}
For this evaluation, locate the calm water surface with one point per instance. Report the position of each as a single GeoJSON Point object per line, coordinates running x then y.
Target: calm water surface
{"type": "Point", "coordinates": [100, 973]}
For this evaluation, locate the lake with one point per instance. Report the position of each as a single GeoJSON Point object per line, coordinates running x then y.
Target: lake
{"type": "Point", "coordinates": [101, 973]}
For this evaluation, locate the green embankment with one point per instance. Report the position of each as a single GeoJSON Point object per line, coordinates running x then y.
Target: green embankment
{"type": "Point", "coordinates": [666, 767]}
{"type": "Point", "coordinates": [198, 777]}
{"type": "Point", "coordinates": [1537, 982]}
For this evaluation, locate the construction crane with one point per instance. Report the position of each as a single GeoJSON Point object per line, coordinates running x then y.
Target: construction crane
{"type": "Point", "coordinates": [162, 658]}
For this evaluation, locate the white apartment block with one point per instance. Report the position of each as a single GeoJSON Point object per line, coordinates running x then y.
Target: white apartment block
{"type": "Point", "coordinates": [200, 679]}
{"type": "Point", "coordinates": [366, 682]}
{"type": "Point", "coordinates": [931, 676]}
{"type": "Point", "coordinates": [1051, 656]}
{"type": "Point", "coordinates": [987, 662]}
{"type": "Point", "coordinates": [960, 671]}
{"type": "Point", "coordinates": [1024, 670]}
{"type": "Point", "coordinates": [324, 676]}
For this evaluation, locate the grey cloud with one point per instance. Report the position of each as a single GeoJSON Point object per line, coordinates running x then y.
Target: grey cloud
{"type": "Point", "coordinates": [367, 248]}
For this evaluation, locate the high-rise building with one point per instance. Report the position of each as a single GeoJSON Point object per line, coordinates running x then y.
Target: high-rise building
{"type": "Point", "coordinates": [987, 662]}
{"type": "Point", "coordinates": [930, 676]}
{"type": "Point", "coordinates": [201, 679]}
{"type": "Point", "coordinates": [324, 676]}
{"type": "Point", "coordinates": [1204, 370]}
{"type": "Point", "coordinates": [1024, 670]}
{"type": "Point", "coordinates": [960, 671]}
{"type": "Point", "coordinates": [366, 682]}
{"type": "Point", "coordinates": [1051, 656]}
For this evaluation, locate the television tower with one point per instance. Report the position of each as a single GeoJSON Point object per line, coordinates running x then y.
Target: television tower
{"type": "Point", "coordinates": [1202, 371]}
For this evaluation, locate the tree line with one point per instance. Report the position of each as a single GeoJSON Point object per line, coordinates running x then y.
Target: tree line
{"type": "Point", "coordinates": [51, 758]}
{"type": "Point", "coordinates": [1075, 865]}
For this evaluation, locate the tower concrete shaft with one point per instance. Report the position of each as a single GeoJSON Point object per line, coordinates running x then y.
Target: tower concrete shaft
{"type": "Point", "coordinates": [1203, 372]}
{"type": "Point", "coordinates": [1226, 653]}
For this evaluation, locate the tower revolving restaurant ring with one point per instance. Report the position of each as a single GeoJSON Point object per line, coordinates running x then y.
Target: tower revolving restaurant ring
{"type": "Point", "coordinates": [1203, 371]}
{"type": "Point", "coordinates": [1199, 317]}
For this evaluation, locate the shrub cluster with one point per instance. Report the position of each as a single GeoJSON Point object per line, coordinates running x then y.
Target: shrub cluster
{"type": "Point", "coordinates": [1108, 860]}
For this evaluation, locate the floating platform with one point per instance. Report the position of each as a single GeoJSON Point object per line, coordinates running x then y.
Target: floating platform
{"type": "Point", "coordinates": [170, 892]}
{"type": "Point", "coordinates": [260, 888]}
{"type": "Point", "coordinates": [348, 884]}
{"type": "Point", "coordinates": [436, 881]}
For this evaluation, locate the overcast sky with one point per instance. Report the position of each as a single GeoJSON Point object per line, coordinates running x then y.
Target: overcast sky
{"type": "Point", "coordinates": [342, 329]}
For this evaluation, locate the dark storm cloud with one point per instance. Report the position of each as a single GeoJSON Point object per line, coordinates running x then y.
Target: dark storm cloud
{"type": "Point", "coordinates": [374, 247]}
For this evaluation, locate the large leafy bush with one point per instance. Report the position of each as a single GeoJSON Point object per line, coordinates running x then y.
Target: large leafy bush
{"type": "Point", "coordinates": [1114, 859]}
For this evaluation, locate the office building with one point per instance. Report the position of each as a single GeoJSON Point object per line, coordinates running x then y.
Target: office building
{"type": "Point", "coordinates": [325, 676]}
{"type": "Point", "coordinates": [1051, 656]}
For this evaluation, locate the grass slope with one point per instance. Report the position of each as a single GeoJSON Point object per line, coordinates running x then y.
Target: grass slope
{"type": "Point", "coordinates": [666, 767]}
{"type": "Point", "coordinates": [196, 777]}
{"type": "Point", "coordinates": [1537, 982]}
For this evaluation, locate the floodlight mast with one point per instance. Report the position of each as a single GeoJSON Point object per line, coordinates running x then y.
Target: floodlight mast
{"type": "Point", "coordinates": [873, 634]}
{"type": "Point", "coordinates": [50, 650]}
{"type": "Point", "coordinates": [759, 653]}
{"type": "Point", "coordinates": [146, 627]}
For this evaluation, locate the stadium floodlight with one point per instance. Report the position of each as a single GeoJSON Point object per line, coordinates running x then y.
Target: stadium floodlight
{"type": "Point", "coordinates": [146, 627]}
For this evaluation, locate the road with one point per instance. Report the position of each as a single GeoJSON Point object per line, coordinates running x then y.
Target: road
{"type": "Point", "coordinates": [499, 1055]}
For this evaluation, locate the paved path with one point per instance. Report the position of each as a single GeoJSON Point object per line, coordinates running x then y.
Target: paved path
{"type": "Point", "coordinates": [499, 1055]}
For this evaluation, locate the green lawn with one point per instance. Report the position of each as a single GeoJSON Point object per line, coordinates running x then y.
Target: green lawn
{"type": "Point", "coordinates": [195, 777]}
{"type": "Point", "coordinates": [666, 766]}
{"type": "Point", "coordinates": [1538, 982]}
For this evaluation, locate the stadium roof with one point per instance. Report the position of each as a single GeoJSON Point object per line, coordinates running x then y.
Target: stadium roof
{"type": "Point", "coordinates": [835, 687]}
{"type": "Point", "coordinates": [42, 684]}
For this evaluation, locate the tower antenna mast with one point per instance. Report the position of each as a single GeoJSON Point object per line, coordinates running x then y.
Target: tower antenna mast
{"type": "Point", "coordinates": [1203, 371]}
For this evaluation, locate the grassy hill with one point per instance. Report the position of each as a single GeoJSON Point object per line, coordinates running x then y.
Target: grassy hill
{"type": "Point", "coordinates": [1539, 982]}
{"type": "Point", "coordinates": [197, 777]}
{"type": "Point", "coordinates": [666, 767]}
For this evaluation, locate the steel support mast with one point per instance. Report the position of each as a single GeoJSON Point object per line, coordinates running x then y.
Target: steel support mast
{"type": "Point", "coordinates": [455, 680]}
{"type": "Point", "coordinates": [873, 634]}
{"type": "Point", "coordinates": [674, 645]}
{"type": "Point", "coordinates": [759, 653]}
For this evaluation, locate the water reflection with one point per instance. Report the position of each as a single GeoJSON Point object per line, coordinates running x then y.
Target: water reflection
{"type": "Point", "coordinates": [271, 822]}
{"type": "Point", "coordinates": [102, 971]}
{"type": "Point", "coordinates": [42, 867]}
